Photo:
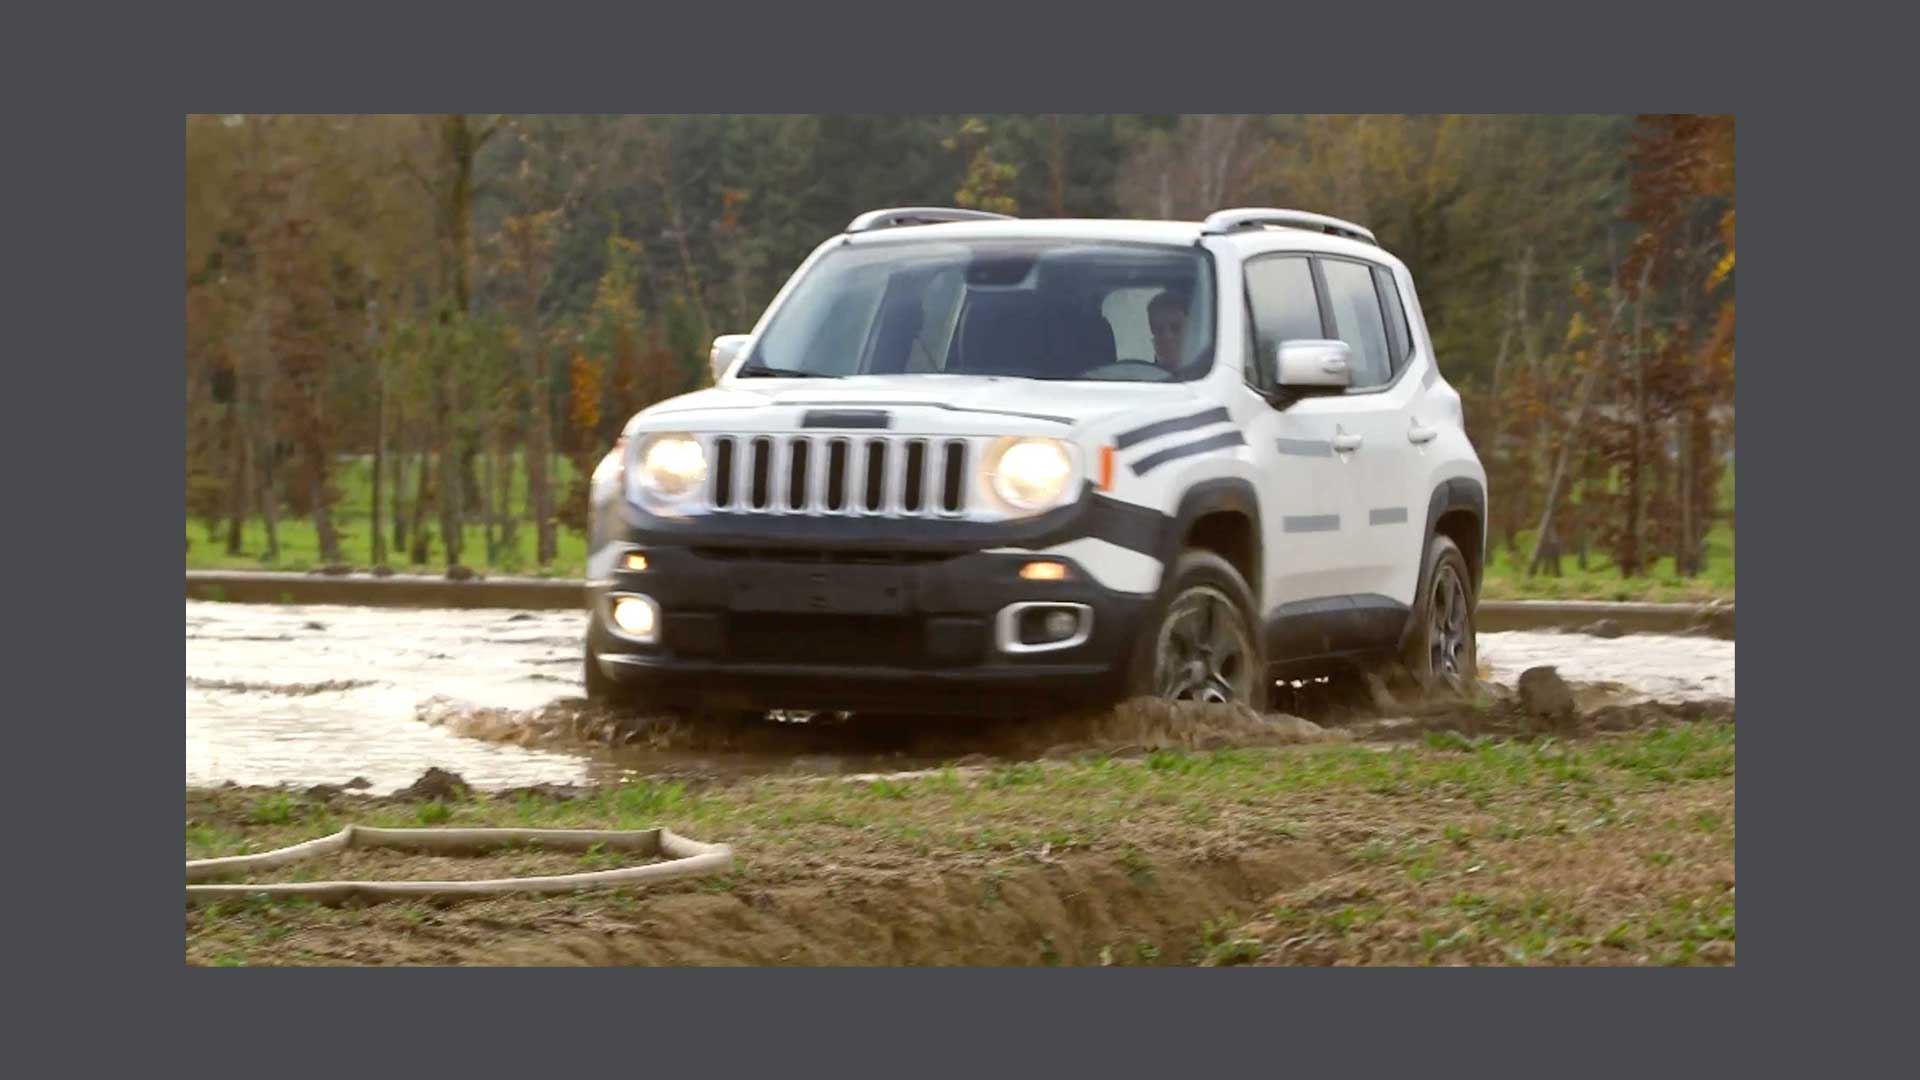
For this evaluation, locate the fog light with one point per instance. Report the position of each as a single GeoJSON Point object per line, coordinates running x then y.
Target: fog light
{"type": "Point", "coordinates": [636, 561]}
{"type": "Point", "coordinates": [1041, 626]}
{"type": "Point", "coordinates": [635, 616]}
{"type": "Point", "coordinates": [1044, 571]}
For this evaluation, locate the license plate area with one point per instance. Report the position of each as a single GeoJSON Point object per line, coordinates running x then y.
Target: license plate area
{"type": "Point", "coordinates": [838, 590]}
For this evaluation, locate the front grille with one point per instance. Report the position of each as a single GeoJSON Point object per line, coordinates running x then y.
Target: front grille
{"type": "Point", "coordinates": [878, 475]}
{"type": "Point", "coordinates": [861, 640]}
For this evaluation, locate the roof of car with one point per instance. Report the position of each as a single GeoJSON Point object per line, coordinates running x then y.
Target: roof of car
{"type": "Point", "coordinates": [1184, 233]}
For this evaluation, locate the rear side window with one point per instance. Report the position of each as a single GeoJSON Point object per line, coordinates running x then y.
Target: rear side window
{"type": "Point", "coordinates": [1398, 333]}
{"type": "Point", "coordinates": [1284, 306]}
{"type": "Point", "coordinates": [1358, 322]}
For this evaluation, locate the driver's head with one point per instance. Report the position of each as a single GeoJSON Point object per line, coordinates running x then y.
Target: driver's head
{"type": "Point", "coordinates": [1167, 319]}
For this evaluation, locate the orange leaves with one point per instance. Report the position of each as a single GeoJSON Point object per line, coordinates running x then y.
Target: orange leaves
{"type": "Point", "coordinates": [583, 376]}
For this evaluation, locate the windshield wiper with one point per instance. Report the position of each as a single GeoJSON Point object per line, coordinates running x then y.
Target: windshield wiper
{"type": "Point", "coordinates": [757, 369]}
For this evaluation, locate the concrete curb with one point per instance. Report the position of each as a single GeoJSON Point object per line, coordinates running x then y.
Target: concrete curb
{"type": "Point", "coordinates": [549, 594]}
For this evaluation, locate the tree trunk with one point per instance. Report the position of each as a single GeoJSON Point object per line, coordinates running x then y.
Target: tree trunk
{"type": "Point", "coordinates": [379, 537]}
{"type": "Point", "coordinates": [487, 507]}
{"type": "Point", "coordinates": [503, 496]}
{"type": "Point", "coordinates": [239, 477]}
{"type": "Point", "coordinates": [1683, 536]}
{"type": "Point", "coordinates": [400, 518]}
{"type": "Point", "coordinates": [540, 448]}
{"type": "Point", "coordinates": [318, 459]}
{"type": "Point", "coordinates": [1542, 545]}
{"type": "Point", "coordinates": [270, 502]}
{"type": "Point", "coordinates": [422, 543]}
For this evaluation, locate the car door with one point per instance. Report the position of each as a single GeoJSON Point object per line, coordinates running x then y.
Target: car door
{"type": "Point", "coordinates": [1304, 478]}
{"type": "Point", "coordinates": [1384, 513]}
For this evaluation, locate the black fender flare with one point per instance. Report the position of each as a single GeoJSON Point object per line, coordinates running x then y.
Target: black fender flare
{"type": "Point", "coordinates": [1458, 493]}
{"type": "Point", "coordinates": [1231, 494]}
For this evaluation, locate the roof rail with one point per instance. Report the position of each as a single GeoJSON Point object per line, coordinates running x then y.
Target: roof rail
{"type": "Point", "coordinates": [1226, 221]}
{"type": "Point", "coordinates": [917, 215]}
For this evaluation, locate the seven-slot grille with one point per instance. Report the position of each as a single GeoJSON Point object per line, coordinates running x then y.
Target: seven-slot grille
{"type": "Point", "coordinates": [874, 475]}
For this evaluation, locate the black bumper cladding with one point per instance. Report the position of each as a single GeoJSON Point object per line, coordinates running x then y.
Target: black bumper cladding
{"type": "Point", "coordinates": [813, 628]}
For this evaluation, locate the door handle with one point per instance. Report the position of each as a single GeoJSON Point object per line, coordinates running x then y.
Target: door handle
{"type": "Point", "coordinates": [1346, 443]}
{"type": "Point", "coordinates": [1421, 434]}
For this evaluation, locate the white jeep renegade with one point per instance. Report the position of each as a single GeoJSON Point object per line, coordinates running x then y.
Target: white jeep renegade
{"type": "Point", "coordinates": [967, 463]}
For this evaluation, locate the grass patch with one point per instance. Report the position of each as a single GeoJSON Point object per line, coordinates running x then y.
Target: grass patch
{"type": "Point", "coordinates": [1481, 852]}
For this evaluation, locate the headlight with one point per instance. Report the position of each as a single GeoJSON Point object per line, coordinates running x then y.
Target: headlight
{"type": "Point", "coordinates": [1029, 474]}
{"type": "Point", "coordinates": [671, 466]}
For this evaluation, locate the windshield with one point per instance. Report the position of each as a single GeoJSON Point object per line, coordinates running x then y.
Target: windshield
{"type": "Point", "coordinates": [1034, 309]}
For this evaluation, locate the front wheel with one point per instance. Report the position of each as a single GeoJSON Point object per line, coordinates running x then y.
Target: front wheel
{"type": "Point", "coordinates": [1203, 645]}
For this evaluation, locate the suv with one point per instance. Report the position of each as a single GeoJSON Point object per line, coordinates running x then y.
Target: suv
{"type": "Point", "coordinates": [972, 464]}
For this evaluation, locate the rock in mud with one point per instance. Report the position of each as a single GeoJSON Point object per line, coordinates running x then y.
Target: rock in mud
{"type": "Point", "coordinates": [1544, 694]}
{"type": "Point", "coordinates": [312, 625]}
{"type": "Point", "coordinates": [336, 569]}
{"type": "Point", "coordinates": [358, 783]}
{"type": "Point", "coordinates": [462, 573]}
{"type": "Point", "coordinates": [435, 783]}
{"type": "Point", "coordinates": [520, 616]}
{"type": "Point", "coordinates": [1603, 628]}
{"type": "Point", "coordinates": [324, 792]}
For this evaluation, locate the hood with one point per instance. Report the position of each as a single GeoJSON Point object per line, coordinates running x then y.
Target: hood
{"type": "Point", "coordinates": [987, 402]}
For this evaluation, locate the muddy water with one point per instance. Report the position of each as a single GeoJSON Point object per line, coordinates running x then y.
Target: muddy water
{"type": "Point", "coordinates": [321, 694]}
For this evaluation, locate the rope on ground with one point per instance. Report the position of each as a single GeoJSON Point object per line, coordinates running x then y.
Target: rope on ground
{"type": "Point", "coordinates": [682, 857]}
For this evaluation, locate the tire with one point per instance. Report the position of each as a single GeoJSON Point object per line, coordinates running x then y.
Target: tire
{"type": "Point", "coordinates": [1441, 651]}
{"type": "Point", "coordinates": [1203, 641]}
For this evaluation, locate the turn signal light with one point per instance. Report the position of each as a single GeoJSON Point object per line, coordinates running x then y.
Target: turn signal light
{"type": "Point", "coordinates": [636, 561]}
{"type": "Point", "coordinates": [1044, 571]}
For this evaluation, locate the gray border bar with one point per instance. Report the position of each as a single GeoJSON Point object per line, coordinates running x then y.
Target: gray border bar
{"type": "Point", "coordinates": [1304, 523]}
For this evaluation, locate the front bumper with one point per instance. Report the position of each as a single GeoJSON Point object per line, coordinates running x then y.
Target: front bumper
{"type": "Point", "coordinates": [913, 631]}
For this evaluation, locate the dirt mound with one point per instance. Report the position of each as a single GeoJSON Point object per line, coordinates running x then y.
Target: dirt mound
{"type": "Point", "coordinates": [1084, 908]}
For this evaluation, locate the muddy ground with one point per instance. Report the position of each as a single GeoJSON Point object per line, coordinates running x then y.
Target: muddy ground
{"type": "Point", "coordinates": [316, 694]}
{"type": "Point", "coordinates": [1349, 825]}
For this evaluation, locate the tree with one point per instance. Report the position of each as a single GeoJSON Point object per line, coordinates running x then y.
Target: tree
{"type": "Point", "coordinates": [987, 180]}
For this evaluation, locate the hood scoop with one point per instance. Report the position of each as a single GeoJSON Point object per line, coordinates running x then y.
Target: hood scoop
{"type": "Point", "coordinates": [846, 418]}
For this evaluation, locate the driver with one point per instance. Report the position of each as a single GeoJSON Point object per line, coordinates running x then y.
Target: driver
{"type": "Point", "coordinates": [1167, 321]}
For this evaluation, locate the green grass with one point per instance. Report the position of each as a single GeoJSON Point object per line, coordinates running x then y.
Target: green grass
{"type": "Point", "coordinates": [1506, 571]}
{"type": "Point", "coordinates": [300, 544]}
{"type": "Point", "coordinates": [1446, 853]}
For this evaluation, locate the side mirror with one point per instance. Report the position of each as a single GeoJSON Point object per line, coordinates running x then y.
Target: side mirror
{"type": "Point", "coordinates": [1310, 365]}
{"type": "Point", "coordinates": [725, 348]}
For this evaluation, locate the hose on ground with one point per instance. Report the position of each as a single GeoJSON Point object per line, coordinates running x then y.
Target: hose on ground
{"type": "Point", "coordinates": [682, 858]}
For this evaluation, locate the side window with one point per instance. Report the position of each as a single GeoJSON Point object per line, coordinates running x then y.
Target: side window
{"type": "Point", "coordinates": [1357, 321]}
{"type": "Point", "coordinates": [1284, 307]}
{"type": "Point", "coordinates": [1398, 333]}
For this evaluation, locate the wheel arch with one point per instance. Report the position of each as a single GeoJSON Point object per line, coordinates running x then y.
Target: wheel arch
{"type": "Point", "coordinates": [1457, 509]}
